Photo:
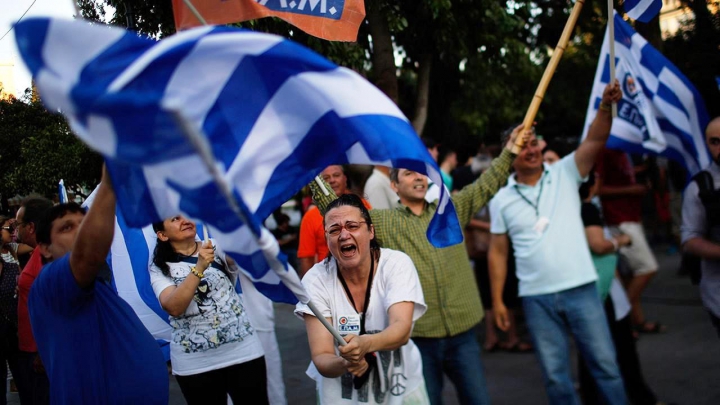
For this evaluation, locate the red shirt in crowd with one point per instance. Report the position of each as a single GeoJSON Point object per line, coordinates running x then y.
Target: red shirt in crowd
{"type": "Point", "coordinates": [25, 281]}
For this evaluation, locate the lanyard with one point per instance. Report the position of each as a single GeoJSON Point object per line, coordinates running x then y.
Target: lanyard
{"type": "Point", "coordinates": [536, 206]}
{"type": "Point", "coordinates": [367, 293]}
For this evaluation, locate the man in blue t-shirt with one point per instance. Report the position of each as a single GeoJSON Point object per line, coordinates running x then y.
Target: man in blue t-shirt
{"type": "Point", "coordinates": [95, 349]}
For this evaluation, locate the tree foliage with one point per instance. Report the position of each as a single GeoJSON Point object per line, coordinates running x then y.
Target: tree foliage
{"type": "Point", "coordinates": [38, 150]}
{"type": "Point", "coordinates": [483, 58]}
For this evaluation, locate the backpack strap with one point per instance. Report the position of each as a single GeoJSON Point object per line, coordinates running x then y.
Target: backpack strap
{"type": "Point", "coordinates": [704, 181]}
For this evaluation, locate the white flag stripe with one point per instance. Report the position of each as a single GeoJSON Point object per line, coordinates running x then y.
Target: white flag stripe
{"type": "Point", "coordinates": [139, 65]}
{"type": "Point", "coordinates": [289, 120]}
{"type": "Point", "coordinates": [642, 6]}
{"type": "Point", "coordinates": [209, 77]}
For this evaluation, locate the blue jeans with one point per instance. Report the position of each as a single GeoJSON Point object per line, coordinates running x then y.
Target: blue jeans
{"type": "Point", "coordinates": [578, 310]}
{"type": "Point", "coordinates": [459, 357]}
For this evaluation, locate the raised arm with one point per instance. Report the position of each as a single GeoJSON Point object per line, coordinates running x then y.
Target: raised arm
{"type": "Point", "coordinates": [497, 269]}
{"type": "Point", "coordinates": [95, 235]}
{"type": "Point", "coordinates": [470, 199]}
{"type": "Point", "coordinates": [599, 130]}
{"type": "Point", "coordinates": [176, 299]}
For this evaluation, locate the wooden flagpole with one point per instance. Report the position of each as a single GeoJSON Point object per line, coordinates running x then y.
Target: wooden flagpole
{"type": "Point", "coordinates": [549, 71]}
{"type": "Point", "coordinates": [611, 42]}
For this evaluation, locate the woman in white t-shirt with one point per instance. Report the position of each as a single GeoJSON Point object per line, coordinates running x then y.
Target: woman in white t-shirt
{"type": "Point", "coordinates": [214, 350]}
{"type": "Point", "coordinates": [372, 296]}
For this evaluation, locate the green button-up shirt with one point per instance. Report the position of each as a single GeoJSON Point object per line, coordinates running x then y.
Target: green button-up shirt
{"type": "Point", "coordinates": [448, 282]}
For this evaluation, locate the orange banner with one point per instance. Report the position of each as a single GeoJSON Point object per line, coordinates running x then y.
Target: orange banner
{"type": "Point", "coordinates": [334, 20]}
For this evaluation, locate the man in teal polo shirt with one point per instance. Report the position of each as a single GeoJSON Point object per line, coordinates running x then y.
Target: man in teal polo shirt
{"type": "Point", "coordinates": [539, 210]}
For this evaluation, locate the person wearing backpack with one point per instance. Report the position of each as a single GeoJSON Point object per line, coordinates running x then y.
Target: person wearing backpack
{"type": "Point", "coordinates": [701, 223]}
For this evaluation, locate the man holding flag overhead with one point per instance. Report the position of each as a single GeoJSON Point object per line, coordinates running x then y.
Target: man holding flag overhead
{"type": "Point", "coordinates": [94, 347]}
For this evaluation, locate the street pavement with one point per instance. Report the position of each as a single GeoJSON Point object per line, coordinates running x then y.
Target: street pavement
{"type": "Point", "coordinates": [681, 365]}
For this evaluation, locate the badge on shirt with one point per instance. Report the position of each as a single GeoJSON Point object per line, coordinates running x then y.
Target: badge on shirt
{"type": "Point", "coordinates": [349, 324]}
{"type": "Point", "coordinates": [541, 225]}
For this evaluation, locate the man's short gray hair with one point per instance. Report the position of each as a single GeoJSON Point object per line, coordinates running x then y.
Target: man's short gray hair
{"type": "Point", "coordinates": [394, 172]}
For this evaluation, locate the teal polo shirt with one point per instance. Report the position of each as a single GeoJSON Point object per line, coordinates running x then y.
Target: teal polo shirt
{"type": "Point", "coordinates": [558, 257]}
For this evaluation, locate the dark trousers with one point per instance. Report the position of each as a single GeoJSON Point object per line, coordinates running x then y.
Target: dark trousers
{"type": "Point", "coordinates": [9, 353]}
{"type": "Point", "coordinates": [240, 381]}
{"type": "Point", "coordinates": [37, 391]}
{"type": "Point", "coordinates": [636, 388]}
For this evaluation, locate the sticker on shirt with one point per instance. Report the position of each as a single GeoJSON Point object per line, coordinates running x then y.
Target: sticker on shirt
{"type": "Point", "coordinates": [349, 324]}
{"type": "Point", "coordinates": [541, 225]}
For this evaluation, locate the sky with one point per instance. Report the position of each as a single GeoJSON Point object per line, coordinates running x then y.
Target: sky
{"type": "Point", "coordinates": [11, 11]}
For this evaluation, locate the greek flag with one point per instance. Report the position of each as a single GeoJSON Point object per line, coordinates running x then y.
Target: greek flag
{"type": "Point", "coordinates": [661, 112]}
{"type": "Point", "coordinates": [273, 115]}
{"type": "Point", "coordinates": [642, 10]}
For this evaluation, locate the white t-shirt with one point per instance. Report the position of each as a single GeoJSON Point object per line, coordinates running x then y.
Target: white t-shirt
{"type": "Point", "coordinates": [395, 280]}
{"type": "Point", "coordinates": [215, 331]}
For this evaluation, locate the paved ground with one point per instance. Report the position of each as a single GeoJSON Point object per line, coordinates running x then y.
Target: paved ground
{"type": "Point", "coordinates": [681, 365]}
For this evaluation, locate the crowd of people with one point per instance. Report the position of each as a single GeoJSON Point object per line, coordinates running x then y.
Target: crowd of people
{"type": "Point", "coordinates": [556, 239]}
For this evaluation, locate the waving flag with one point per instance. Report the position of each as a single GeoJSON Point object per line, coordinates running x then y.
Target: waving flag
{"type": "Point", "coordinates": [642, 10]}
{"type": "Point", "coordinates": [274, 115]}
{"type": "Point", "coordinates": [334, 20]}
{"type": "Point", "coordinates": [661, 112]}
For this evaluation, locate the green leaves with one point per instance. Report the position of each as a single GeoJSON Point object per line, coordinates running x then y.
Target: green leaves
{"type": "Point", "coordinates": [39, 149]}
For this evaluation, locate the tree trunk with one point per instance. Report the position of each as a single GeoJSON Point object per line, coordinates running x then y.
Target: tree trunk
{"type": "Point", "coordinates": [423, 93]}
{"type": "Point", "coordinates": [382, 56]}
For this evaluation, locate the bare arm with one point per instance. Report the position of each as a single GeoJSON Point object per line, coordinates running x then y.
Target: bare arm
{"type": "Point", "coordinates": [176, 299]}
{"type": "Point", "coordinates": [599, 131]}
{"type": "Point", "coordinates": [95, 235]}
{"type": "Point", "coordinates": [606, 191]}
{"type": "Point", "coordinates": [703, 248]}
{"type": "Point", "coordinates": [497, 267]}
{"type": "Point", "coordinates": [322, 351]}
{"type": "Point", "coordinates": [395, 335]}
{"type": "Point", "coordinates": [23, 249]}
{"type": "Point", "coordinates": [479, 225]}
{"type": "Point", "coordinates": [599, 245]}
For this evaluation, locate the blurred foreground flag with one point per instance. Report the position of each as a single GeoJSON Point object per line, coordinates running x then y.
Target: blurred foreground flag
{"type": "Point", "coordinates": [272, 115]}
{"type": "Point", "coordinates": [334, 20]}
{"type": "Point", "coordinates": [661, 112]}
{"type": "Point", "coordinates": [642, 10]}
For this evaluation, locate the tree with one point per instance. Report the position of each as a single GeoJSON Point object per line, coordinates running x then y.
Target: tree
{"type": "Point", "coordinates": [39, 149]}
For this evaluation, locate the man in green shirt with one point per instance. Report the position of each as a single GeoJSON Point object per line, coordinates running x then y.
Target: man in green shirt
{"type": "Point", "coordinates": [445, 335]}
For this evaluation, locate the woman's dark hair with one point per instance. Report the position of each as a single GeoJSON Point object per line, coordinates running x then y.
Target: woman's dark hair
{"type": "Point", "coordinates": [165, 252]}
{"type": "Point", "coordinates": [353, 200]}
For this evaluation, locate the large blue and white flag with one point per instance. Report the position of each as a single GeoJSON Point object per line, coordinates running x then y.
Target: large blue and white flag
{"type": "Point", "coordinates": [661, 112]}
{"type": "Point", "coordinates": [274, 115]}
{"type": "Point", "coordinates": [642, 10]}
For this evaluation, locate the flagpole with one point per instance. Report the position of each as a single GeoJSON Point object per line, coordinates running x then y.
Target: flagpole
{"type": "Point", "coordinates": [195, 12]}
{"type": "Point", "coordinates": [549, 72]}
{"type": "Point", "coordinates": [202, 147]}
{"type": "Point", "coordinates": [611, 38]}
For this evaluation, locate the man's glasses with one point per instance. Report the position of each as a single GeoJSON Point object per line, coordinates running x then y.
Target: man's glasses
{"type": "Point", "coordinates": [350, 226]}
